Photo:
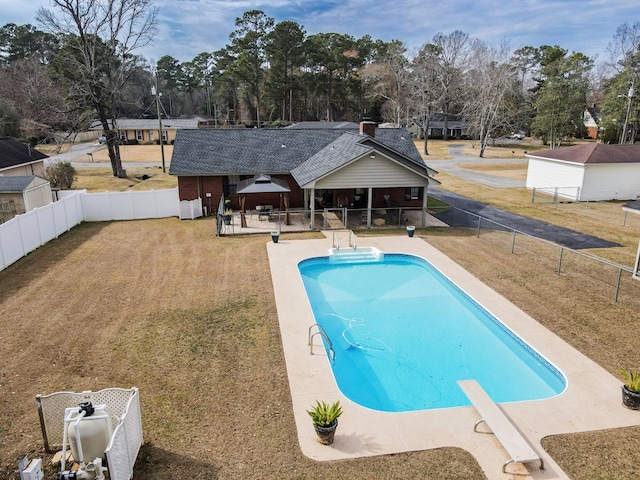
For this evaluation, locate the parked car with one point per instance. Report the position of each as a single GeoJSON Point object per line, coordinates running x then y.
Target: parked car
{"type": "Point", "coordinates": [102, 139]}
{"type": "Point", "coordinates": [517, 136]}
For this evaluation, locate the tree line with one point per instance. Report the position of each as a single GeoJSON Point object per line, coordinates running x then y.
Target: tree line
{"type": "Point", "coordinates": [82, 66]}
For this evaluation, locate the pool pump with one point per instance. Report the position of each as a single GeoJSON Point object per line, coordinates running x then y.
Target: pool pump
{"type": "Point", "coordinates": [88, 431]}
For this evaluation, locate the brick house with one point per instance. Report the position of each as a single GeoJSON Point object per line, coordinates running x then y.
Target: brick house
{"type": "Point", "coordinates": [365, 167]}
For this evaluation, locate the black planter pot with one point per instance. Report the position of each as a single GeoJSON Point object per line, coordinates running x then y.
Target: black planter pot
{"type": "Point", "coordinates": [630, 399]}
{"type": "Point", "coordinates": [275, 236]}
{"type": "Point", "coordinates": [325, 434]}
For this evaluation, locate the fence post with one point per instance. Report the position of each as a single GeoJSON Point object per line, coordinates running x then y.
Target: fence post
{"type": "Point", "coordinates": [513, 242]}
{"type": "Point", "coordinates": [533, 195]}
{"type": "Point", "coordinates": [555, 197]}
{"type": "Point", "coordinates": [615, 297]}
{"type": "Point", "coordinates": [560, 260]}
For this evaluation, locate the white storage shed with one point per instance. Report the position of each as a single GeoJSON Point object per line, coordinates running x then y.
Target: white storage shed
{"type": "Point", "coordinates": [588, 172]}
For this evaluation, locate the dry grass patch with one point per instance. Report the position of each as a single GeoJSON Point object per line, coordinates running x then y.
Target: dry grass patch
{"type": "Point", "coordinates": [138, 178]}
{"type": "Point", "coordinates": [515, 171]}
{"type": "Point", "coordinates": [53, 149]}
{"type": "Point", "coordinates": [137, 153]}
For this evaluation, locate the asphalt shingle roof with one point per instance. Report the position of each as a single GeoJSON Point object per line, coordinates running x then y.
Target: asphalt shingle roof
{"type": "Point", "coordinates": [15, 183]}
{"type": "Point", "coordinates": [593, 153]}
{"type": "Point", "coordinates": [341, 151]}
{"type": "Point", "coordinates": [309, 152]}
{"type": "Point", "coordinates": [14, 153]}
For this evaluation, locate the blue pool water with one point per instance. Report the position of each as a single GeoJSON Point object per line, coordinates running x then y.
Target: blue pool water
{"type": "Point", "coordinates": [403, 334]}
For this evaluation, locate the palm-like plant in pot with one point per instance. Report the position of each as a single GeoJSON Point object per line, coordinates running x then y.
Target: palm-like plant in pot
{"type": "Point", "coordinates": [631, 389]}
{"type": "Point", "coordinates": [325, 420]}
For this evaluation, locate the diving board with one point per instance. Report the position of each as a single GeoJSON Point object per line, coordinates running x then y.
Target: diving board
{"type": "Point", "coordinates": [511, 439]}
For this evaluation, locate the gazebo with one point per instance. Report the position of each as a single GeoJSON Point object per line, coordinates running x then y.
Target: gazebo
{"type": "Point", "coordinates": [262, 183]}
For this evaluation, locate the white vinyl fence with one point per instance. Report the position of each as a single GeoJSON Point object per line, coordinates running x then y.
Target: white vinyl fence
{"type": "Point", "coordinates": [24, 233]}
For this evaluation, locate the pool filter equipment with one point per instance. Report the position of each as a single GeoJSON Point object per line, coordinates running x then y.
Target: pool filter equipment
{"type": "Point", "coordinates": [88, 431]}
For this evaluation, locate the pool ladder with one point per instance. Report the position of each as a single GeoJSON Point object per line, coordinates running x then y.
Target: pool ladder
{"type": "Point", "coordinates": [352, 240]}
{"type": "Point", "coordinates": [320, 331]}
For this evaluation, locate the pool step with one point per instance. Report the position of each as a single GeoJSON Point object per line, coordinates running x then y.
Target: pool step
{"type": "Point", "coordinates": [357, 255]}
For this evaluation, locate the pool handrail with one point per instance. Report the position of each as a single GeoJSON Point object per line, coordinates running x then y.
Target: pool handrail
{"type": "Point", "coordinates": [323, 334]}
{"type": "Point", "coordinates": [352, 240]}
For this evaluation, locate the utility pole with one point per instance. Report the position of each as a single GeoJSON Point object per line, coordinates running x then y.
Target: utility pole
{"type": "Point", "coordinates": [154, 91]}
{"type": "Point", "coordinates": [623, 137]}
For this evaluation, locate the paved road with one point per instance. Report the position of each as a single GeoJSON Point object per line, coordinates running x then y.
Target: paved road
{"type": "Point", "coordinates": [451, 166]}
{"type": "Point", "coordinates": [77, 152]}
{"type": "Point", "coordinates": [553, 233]}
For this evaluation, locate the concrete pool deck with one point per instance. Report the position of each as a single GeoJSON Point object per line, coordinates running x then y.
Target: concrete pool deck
{"type": "Point", "coordinates": [592, 400]}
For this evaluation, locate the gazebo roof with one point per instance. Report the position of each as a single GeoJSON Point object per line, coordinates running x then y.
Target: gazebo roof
{"type": "Point", "coordinates": [262, 183]}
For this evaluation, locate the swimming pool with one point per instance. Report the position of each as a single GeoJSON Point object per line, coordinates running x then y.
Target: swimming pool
{"type": "Point", "coordinates": [403, 334]}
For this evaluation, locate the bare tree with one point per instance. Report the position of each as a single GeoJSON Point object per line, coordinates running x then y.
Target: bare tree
{"type": "Point", "coordinates": [426, 87]}
{"type": "Point", "coordinates": [492, 86]}
{"type": "Point", "coordinates": [453, 55]}
{"type": "Point", "coordinates": [97, 59]}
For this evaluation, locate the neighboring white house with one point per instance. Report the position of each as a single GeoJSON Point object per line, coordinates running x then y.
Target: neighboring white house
{"type": "Point", "coordinates": [592, 171]}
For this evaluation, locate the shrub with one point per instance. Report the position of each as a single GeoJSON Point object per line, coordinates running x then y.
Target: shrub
{"type": "Point", "coordinates": [61, 175]}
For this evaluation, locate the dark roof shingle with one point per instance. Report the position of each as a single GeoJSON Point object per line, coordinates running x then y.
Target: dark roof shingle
{"type": "Point", "coordinates": [593, 153]}
{"type": "Point", "coordinates": [14, 153]}
{"type": "Point", "coordinates": [283, 151]}
{"type": "Point", "coordinates": [15, 183]}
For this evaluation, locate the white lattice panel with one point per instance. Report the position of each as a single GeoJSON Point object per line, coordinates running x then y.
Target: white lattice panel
{"type": "Point", "coordinates": [122, 406]}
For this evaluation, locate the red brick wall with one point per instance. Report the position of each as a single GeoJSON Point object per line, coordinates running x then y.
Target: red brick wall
{"type": "Point", "coordinates": [190, 188]}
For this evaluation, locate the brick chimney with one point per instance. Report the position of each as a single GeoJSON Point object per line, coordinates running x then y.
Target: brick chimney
{"type": "Point", "coordinates": [368, 128]}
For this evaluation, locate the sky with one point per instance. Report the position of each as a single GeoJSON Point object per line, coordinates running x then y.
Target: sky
{"type": "Point", "coordinates": [189, 27]}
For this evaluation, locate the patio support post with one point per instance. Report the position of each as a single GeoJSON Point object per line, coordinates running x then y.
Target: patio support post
{"type": "Point", "coordinates": [287, 219]}
{"type": "Point", "coordinates": [369, 205]}
{"type": "Point", "coordinates": [243, 218]}
{"type": "Point", "coordinates": [312, 208]}
{"type": "Point", "coordinates": [424, 207]}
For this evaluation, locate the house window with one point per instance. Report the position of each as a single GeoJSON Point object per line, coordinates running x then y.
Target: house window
{"type": "Point", "coordinates": [123, 136]}
{"type": "Point", "coordinates": [164, 136]}
{"type": "Point", "coordinates": [413, 193]}
{"type": "Point", "coordinates": [139, 135]}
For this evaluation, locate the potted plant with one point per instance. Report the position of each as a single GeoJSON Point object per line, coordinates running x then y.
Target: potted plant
{"type": "Point", "coordinates": [631, 389]}
{"type": "Point", "coordinates": [228, 215]}
{"type": "Point", "coordinates": [325, 420]}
